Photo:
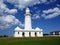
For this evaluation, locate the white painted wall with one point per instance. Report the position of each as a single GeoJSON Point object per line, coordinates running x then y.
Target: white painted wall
{"type": "Point", "coordinates": [32, 34]}
{"type": "Point", "coordinates": [26, 34]}
{"type": "Point", "coordinates": [18, 35]}
{"type": "Point", "coordinates": [28, 22]}
{"type": "Point", "coordinates": [39, 34]}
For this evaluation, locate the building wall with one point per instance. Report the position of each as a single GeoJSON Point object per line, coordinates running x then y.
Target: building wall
{"type": "Point", "coordinates": [39, 34]}
{"type": "Point", "coordinates": [32, 34]}
{"type": "Point", "coordinates": [28, 34]}
{"type": "Point", "coordinates": [18, 34]}
{"type": "Point", "coordinates": [55, 33]}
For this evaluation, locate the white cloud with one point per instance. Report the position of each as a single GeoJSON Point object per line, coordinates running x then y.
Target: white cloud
{"type": "Point", "coordinates": [35, 16]}
{"type": "Point", "coordinates": [58, 5]}
{"type": "Point", "coordinates": [8, 20]}
{"type": "Point", "coordinates": [11, 11]}
{"type": "Point", "coordinates": [43, 1]}
{"type": "Point", "coordinates": [24, 3]}
{"type": "Point", "coordinates": [51, 10]}
{"type": "Point", "coordinates": [4, 9]}
{"type": "Point", "coordinates": [51, 13]}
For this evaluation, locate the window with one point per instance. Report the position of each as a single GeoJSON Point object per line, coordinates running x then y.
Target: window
{"type": "Point", "coordinates": [18, 32]}
{"type": "Point", "coordinates": [23, 33]}
{"type": "Point", "coordinates": [39, 32]}
{"type": "Point", "coordinates": [35, 33]}
{"type": "Point", "coordinates": [59, 33]}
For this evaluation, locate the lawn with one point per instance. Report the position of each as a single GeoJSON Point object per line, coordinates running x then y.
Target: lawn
{"type": "Point", "coordinates": [30, 41]}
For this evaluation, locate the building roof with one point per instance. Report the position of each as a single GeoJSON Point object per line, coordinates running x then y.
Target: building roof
{"type": "Point", "coordinates": [38, 29]}
{"type": "Point", "coordinates": [18, 28]}
{"type": "Point", "coordinates": [28, 31]}
{"type": "Point", "coordinates": [55, 31]}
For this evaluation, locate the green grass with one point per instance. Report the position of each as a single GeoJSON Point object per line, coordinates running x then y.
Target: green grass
{"type": "Point", "coordinates": [30, 41]}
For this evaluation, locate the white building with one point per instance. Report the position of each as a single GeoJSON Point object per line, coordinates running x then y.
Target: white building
{"type": "Point", "coordinates": [28, 31]}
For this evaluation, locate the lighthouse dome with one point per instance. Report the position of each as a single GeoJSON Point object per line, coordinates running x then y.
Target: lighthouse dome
{"type": "Point", "coordinates": [27, 10]}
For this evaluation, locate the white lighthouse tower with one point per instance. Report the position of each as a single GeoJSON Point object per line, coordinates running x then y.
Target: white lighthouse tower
{"type": "Point", "coordinates": [28, 20]}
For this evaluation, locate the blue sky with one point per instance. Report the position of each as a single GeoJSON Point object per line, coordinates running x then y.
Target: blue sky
{"type": "Point", "coordinates": [45, 15]}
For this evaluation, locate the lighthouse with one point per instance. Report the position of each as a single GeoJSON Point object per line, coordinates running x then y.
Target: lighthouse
{"type": "Point", "coordinates": [28, 25]}
{"type": "Point", "coordinates": [28, 31]}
